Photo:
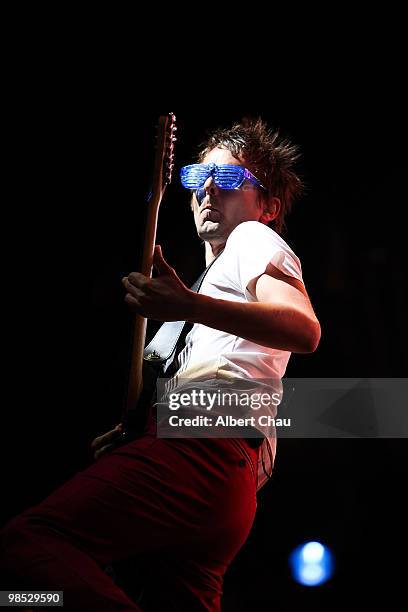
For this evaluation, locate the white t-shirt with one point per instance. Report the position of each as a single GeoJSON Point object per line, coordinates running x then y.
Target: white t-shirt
{"type": "Point", "coordinates": [214, 354]}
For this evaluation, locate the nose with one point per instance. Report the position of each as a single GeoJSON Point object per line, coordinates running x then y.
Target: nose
{"type": "Point", "coordinates": [210, 187]}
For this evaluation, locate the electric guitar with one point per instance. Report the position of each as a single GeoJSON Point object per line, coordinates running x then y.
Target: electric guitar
{"type": "Point", "coordinates": [140, 390]}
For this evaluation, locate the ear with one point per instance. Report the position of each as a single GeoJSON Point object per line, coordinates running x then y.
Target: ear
{"type": "Point", "coordinates": [273, 212]}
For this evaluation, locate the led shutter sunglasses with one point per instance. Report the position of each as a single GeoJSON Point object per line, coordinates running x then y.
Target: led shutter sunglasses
{"type": "Point", "coordinates": [226, 176]}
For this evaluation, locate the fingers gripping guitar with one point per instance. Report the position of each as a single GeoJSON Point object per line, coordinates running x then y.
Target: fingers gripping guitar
{"type": "Point", "coordinates": [164, 298]}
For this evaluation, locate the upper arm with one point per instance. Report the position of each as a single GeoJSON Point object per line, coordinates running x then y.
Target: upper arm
{"type": "Point", "coordinates": [275, 286]}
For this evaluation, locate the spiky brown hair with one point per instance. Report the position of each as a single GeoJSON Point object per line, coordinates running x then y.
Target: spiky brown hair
{"type": "Point", "coordinates": [268, 155]}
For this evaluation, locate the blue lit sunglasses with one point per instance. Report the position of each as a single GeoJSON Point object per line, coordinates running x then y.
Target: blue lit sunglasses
{"type": "Point", "coordinates": [226, 176]}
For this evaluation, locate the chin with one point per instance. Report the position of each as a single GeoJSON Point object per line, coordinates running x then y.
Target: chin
{"type": "Point", "coordinates": [210, 230]}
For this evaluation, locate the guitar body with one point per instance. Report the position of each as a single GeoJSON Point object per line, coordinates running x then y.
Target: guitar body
{"type": "Point", "coordinates": [136, 419]}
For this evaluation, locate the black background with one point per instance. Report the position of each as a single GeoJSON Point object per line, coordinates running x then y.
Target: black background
{"type": "Point", "coordinates": [82, 153]}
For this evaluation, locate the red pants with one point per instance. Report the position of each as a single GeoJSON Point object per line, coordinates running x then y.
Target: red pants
{"type": "Point", "coordinates": [188, 504]}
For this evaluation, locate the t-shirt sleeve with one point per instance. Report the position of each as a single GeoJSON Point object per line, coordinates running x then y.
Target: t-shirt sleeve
{"type": "Point", "coordinates": [250, 247]}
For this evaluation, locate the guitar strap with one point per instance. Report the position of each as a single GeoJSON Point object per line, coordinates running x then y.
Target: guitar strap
{"type": "Point", "coordinates": [162, 348]}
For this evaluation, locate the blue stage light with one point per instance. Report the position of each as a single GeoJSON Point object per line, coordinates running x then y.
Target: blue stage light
{"type": "Point", "coordinates": [311, 564]}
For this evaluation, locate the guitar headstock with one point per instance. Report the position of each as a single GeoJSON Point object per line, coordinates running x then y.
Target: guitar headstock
{"type": "Point", "coordinates": [164, 162]}
{"type": "Point", "coordinates": [171, 130]}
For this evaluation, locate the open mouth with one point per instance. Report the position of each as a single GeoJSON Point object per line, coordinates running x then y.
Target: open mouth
{"type": "Point", "coordinates": [209, 208]}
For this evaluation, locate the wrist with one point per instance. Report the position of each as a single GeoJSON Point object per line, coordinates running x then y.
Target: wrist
{"type": "Point", "coordinates": [196, 303]}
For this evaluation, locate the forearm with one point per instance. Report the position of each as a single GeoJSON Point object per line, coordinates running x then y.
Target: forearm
{"type": "Point", "coordinates": [268, 324]}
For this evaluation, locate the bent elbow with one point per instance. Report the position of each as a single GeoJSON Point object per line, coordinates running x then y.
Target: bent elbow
{"type": "Point", "coordinates": [310, 338]}
{"type": "Point", "coordinates": [313, 337]}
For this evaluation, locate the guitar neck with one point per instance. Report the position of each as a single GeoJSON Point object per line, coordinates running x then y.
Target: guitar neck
{"type": "Point", "coordinates": [139, 334]}
{"type": "Point", "coordinates": [163, 167]}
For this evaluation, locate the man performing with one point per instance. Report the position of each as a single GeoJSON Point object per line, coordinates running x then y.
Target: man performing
{"type": "Point", "coordinates": [188, 504]}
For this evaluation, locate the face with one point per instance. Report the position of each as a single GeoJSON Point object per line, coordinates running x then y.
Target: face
{"type": "Point", "coordinates": [221, 209]}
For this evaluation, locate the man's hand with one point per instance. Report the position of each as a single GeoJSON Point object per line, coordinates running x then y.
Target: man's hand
{"type": "Point", "coordinates": [104, 443]}
{"type": "Point", "coordinates": [164, 298]}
